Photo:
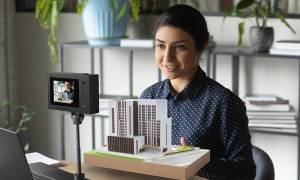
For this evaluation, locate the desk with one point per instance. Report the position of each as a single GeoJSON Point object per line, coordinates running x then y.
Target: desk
{"type": "Point", "coordinates": [96, 173]}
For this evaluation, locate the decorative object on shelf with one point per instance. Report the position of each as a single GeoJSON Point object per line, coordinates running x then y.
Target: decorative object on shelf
{"type": "Point", "coordinates": [261, 39]}
{"type": "Point", "coordinates": [47, 12]}
{"type": "Point", "coordinates": [98, 23]}
{"type": "Point", "coordinates": [146, 43]}
{"type": "Point", "coordinates": [143, 27]}
{"type": "Point", "coordinates": [102, 24]}
{"type": "Point", "coordinates": [270, 112]}
{"type": "Point", "coordinates": [286, 47]}
{"type": "Point", "coordinates": [149, 11]}
{"type": "Point", "coordinates": [17, 122]}
{"type": "Point", "coordinates": [261, 36]}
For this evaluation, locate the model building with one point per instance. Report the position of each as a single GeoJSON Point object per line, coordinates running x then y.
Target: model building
{"type": "Point", "coordinates": [136, 125]}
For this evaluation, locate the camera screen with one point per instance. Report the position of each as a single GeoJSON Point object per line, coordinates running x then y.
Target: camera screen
{"type": "Point", "coordinates": [64, 92]}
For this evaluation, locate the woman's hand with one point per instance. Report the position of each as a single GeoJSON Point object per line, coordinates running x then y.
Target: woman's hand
{"type": "Point", "coordinates": [184, 141]}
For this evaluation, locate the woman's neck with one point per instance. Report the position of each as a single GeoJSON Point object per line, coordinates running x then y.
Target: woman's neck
{"type": "Point", "coordinates": [180, 83]}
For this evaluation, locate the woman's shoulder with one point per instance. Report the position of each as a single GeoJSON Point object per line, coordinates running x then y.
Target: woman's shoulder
{"type": "Point", "coordinates": [153, 91]}
{"type": "Point", "coordinates": [220, 91]}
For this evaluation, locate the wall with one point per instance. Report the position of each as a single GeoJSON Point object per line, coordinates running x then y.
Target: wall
{"type": "Point", "coordinates": [2, 54]}
{"type": "Point", "coordinates": [3, 62]}
{"type": "Point", "coordinates": [8, 88]}
{"type": "Point", "coordinates": [33, 64]}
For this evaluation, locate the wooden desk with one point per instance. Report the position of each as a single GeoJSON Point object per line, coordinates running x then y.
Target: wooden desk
{"type": "Point", "coordinates": [99, 173]}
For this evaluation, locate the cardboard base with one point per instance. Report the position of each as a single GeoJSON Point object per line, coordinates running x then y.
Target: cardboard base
{"type": "Point", "coordinates": [177, 166]}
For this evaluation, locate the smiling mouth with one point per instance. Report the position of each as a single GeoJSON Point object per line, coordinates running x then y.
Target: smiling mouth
{"type": "Point", "coordinates": [170, 67]}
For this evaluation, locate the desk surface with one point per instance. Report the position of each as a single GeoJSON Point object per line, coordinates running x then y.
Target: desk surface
{"type": "Point", "coordinates": [96, 173]}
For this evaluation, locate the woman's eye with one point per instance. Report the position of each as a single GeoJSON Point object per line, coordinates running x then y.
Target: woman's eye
{"type": "Point", "coordinates": [181, 47]}
{"type": "Point", "coordinates": [160, 46]}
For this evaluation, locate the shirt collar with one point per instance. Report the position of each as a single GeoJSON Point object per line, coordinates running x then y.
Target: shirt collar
{"type": "Point", "coordinates": [190, 90]}
{"type": "Point", "coordinates": [167, 90]}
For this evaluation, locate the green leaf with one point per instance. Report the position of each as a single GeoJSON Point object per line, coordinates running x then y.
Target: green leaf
{"type": "Point", "coordinates": [3, 104]}
{"type": "Point", "coordinates": [80, 6]}
{"type": "Point", "coordinates": [47, 12]}
{"type": "Point", "coordinates": [135, 8]}
{"type": "Point", "coordinates": [241, 33]}
{"type": "Point", "coordinates": [122, 11]}
{"type": "Point", "coordinates": [114, 5]}
{"type": "Point", "coordinates": [280, 16]}
{"type": "Point", "coordinates": [244, 4]}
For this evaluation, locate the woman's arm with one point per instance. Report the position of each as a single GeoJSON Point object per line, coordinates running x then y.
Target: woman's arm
{"type": "Point", "coordinates": [237, 161]}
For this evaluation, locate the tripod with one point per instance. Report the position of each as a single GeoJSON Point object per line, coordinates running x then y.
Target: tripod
{"type": "Point", "coordinates": [77, 120]}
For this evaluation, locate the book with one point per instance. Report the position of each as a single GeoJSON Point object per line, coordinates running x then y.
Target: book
{"type": "Point", "coordinates": [271, 117]}
{"type": "Point", "coordinates": [278, 130]}
{"type": "Point", "coordinates": [263, 121]}
{"type": "Point", "coordinates": [261, 98]}
{"type": "Point", "coordinates": [265, 99]}
{"type": "Point", "coordinates": [137, 43]}
{"type": "Point", "coordinates": [273, 125]}
{"type": "Point", "coordinates": [289, 52]}
{"type": "Point", "coordinates": [287, 44]}
{"type": "Point", "coordinates": [274, 113]}
{"type": "Point", "coordinates": [268, 107]}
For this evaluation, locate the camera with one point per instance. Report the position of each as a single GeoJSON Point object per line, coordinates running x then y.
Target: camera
{"type": "Point", "coordinates": [73, 92]}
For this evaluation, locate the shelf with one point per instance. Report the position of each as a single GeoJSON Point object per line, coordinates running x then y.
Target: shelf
{"type": "Point", "coordinates": [247, 51]}
{"type": "Point", "coordinates": [235, 53]}
{"type": "Point", "coordinates": [85, 44]}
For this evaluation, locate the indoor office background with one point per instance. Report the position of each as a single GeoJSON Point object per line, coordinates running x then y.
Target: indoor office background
{"type": "Point", "coordinates": [24, 63]}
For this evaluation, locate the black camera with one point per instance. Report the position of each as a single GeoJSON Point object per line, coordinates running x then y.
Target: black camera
{"type": "Point", "coordinates": [73, 92]}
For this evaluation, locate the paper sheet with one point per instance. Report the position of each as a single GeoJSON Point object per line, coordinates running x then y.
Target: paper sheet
{"type": "Point", "coordinates": [37, 157]}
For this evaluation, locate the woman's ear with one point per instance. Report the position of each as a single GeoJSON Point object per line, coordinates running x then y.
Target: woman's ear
{"type": "Point", "coordinates": [205, 45]}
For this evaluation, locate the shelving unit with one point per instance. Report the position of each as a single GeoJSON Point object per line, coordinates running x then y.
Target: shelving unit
{"type": "Point", "coordinates": [93, 48]}
{"type": "Point", "coordinates": [235, 54]}
{"type": "Point", "coordinates": [211, 56]}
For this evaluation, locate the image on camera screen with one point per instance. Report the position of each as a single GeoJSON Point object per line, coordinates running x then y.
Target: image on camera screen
{"type": "Point", "coordinates": [63, 91]}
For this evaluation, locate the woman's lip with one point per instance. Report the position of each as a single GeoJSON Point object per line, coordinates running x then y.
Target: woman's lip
{"type": "Point", "coordinates": [170, 67]}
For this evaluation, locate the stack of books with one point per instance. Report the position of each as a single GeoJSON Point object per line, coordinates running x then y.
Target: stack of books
{"type": "Point", "coordinates": [270, 113]}
{"type": "Point", "coordinates": [286, 47]}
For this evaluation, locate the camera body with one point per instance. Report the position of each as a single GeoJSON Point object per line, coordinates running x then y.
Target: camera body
{"type": "Point", "coordinates": [73, 92]}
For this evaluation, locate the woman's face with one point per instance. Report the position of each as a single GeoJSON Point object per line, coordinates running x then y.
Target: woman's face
{"type": "Point", "coordinates": [175, 53]}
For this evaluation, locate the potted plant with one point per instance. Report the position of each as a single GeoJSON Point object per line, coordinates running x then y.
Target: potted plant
{"type": "Point", "coordinates": [261, 35]}
{"type": "Point", "coordinates": [47, 12]}
{"type": "Point", "coordinates": [148, 12]}
{"type": "Point", "coordinates": [17, 123]}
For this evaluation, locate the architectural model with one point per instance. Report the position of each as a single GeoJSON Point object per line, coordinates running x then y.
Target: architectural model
{"type": "Point", "coordinates": [136, 125]}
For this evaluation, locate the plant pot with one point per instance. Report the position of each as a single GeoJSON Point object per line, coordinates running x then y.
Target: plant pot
{"type": "Point", "coordinates": [261, 38]}
{"type": "Point", "coordinates": [142, 29]}
{"type": "Point", "coordinates": [101, 23]}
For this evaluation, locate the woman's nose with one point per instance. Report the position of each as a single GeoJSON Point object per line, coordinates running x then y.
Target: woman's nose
{"type": "Point", "coordinates": [168, 54]}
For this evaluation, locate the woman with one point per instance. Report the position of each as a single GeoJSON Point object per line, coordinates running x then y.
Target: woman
{"type": "Point", "coordinates": [204, 113]}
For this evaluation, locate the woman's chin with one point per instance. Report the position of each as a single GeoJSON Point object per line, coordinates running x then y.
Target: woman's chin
{"type": "Point", "coordinates": [171, 75]}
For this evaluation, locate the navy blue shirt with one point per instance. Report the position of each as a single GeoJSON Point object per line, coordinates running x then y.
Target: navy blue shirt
{"type": "Point", "coordinates": [211, 117]}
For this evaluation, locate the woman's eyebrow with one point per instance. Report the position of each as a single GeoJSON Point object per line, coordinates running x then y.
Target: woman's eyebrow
{"type": "Point", "coordinates": [161, 41]}
{"type": "Point", "coordinates": [174, 42]}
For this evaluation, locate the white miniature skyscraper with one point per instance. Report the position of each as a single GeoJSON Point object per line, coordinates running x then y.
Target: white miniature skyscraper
{"type": "Point", "coordinates": [140, 123]}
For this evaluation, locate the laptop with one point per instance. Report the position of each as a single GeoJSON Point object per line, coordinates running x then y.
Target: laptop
{"type": "Point", "coordinates": [14, 166]}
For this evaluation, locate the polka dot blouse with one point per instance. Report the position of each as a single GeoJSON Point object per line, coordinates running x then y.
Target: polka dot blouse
{"type": "Point", "coordinates": [210, 116]}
